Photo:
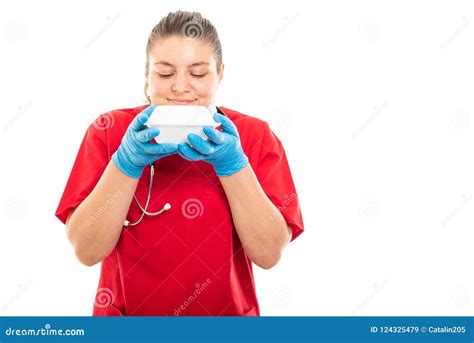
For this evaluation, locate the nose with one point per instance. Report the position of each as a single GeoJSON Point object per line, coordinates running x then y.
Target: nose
{"type": "Point", "coordinates": [181, 83]}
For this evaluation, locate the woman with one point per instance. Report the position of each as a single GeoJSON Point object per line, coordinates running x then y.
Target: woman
{"type": "Point", "coordinates": [232, 197]}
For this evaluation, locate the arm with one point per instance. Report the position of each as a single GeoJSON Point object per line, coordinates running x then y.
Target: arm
{"type": "Point", "coordinates": [95, 226]}
{"type": "Point", "coordinates": [260, 226]}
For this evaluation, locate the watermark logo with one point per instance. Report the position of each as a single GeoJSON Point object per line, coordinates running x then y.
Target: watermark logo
{"type": "Point", "coordinates": [281, 297]}
{"type": "Point", "coordinates": [192, 29]}
{"type": "Point", "coordinates": [460, 119]}
{"type": "Point", "coordinates": [192, 208]}
{"type": "Point", "coordinates": [14, 31]}
{"type": "Point", "coordinates": [369, 208]}
{"type": "Point", "coordinates": [14, 208]}
{"type": "Point", "coordinates": [104, 297]}
{"type": "Point", "coordinates": [105, 121]}
{"type": "Point", "coordinates": [460, 296]}
{"type": "Point", "coordinates": [370, 31]}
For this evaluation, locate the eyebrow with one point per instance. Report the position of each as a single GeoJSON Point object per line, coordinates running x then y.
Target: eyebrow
{"type": "Point", "coordinates": [192, 65]}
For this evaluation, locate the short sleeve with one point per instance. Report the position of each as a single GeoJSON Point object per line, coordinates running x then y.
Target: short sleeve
{"type": "Point", "coordinates": [273, 173]}
{"type": "Point", "coordinates": [90, 163]}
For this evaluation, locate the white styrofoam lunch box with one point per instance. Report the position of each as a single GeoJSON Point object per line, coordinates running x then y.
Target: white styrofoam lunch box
{"type": "Point", "coordinates": [176, 122]}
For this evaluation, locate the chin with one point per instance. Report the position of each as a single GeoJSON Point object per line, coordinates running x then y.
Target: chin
{"type": "Point", "coordinates": [165, 101]}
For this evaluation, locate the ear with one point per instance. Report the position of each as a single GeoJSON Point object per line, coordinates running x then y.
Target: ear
{"type": "Point", "coordinates": [146, 69]}
{"type": "Point", "coordinates": [147, 92]}
{"type": "Point", "coordinates": [221, 74]}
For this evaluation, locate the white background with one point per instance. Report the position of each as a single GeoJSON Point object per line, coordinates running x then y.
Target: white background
{"type": "Point", "coordinates": [373, 101]}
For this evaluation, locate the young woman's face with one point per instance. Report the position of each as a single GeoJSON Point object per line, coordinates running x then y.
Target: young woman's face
{"type": "Point", "coordinates": [182, 71]}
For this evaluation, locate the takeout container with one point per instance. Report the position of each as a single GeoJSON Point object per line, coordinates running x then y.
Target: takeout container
{"type": "Point", "coordinates": [176, 122]}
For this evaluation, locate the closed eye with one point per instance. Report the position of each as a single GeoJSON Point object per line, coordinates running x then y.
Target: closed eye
{"type": "Point", "coordinates": [166, 76]}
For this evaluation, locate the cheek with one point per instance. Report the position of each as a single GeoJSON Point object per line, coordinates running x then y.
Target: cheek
{"type": "Point", "coordinates": [204, 88]}
{"type": "Point", "coordinates": [157, 87]}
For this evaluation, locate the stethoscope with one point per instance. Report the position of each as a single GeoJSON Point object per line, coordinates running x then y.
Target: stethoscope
{"type": "Point", "coordinates": [144, 209]}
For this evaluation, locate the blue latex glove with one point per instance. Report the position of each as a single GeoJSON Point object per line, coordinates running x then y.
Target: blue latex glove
{"type": "Point", "coordinates": [136, 150]}
{"type": "Point", "coordinates": [224, 151]}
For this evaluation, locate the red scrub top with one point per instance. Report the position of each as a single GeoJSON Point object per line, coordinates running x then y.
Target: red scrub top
{"type": "Point", "coordinates": [188, 260]}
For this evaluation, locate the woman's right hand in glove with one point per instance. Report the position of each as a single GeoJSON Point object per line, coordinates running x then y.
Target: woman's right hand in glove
{"type": "Point", "coordinates": [136, 151]}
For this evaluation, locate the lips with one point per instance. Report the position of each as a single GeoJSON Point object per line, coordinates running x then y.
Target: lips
{"type": "Point", "coordinates": [181, 101]}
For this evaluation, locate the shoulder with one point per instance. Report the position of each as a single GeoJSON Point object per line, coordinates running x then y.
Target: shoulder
{"type": "Point", "coordinates": [117, 118]}
{"type": "Point", "coordinates": [256, 135]}
{"type": "Point", "coordinates": [109, 127]}
{"type": "Point", "coordinates": [246, 123]}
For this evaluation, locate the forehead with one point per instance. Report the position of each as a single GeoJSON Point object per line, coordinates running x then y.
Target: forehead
{"type": "Point", "coordinates": [181, 51]}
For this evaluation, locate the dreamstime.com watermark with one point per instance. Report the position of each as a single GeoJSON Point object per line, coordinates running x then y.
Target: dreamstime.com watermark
{"type": "Point", "coordinates": [199, 289]}
{"type": "Point", "coordinates": [110, 200]}
{"type": "Point", "coordinates": [46, 331]}
{"type": "Point", "coordinates": [465, 21]}
{"type": "Point", "coordinates": [287, 21]}
{"type": "Point", "coordinates": [465, 200]}
{"type": "Point", "coordinates": [21, 289]}
{"type": "Point", "coordinates": [377, 111]}
{"type": "Point", "coordinates": [377, 288]}
{"type": "Point", "coordinates": [109, 21]}
{"type": "Point", "coordinates": [288, 200]}
{"type": "Point", "coordinates": [21, 110]}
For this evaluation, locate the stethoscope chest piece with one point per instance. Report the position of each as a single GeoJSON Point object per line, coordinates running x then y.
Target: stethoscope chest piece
{"type": "Point", "coordinates": [144, 209]}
